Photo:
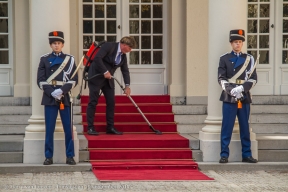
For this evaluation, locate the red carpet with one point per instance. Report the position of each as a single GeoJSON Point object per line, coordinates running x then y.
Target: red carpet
{"type": "Point", "coordinates": [140, 154]}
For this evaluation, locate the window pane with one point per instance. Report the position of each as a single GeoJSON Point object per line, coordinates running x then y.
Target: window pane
{"type": "Point", "coordinates": [285, 26]}
{"type": "Point", "coordinates": [134, 11]}
{"type": "Point", "coordinates": [252, 0]}
{"type": "Point", "coordinates": [111, 1]}
{"type": "Point", "coordinates": [285, 41]}
{"type": "Point", "coordinates": [252, 26]}
{"type": "Point", "coordinates": [99, 0]}
{"type": "Point", "coordinates": [145, 11]}
{"type": "Point", "coordinates": [111, 11]}
{"type": "Point", "coordinates": [3, 10]}
{"type": "Point", "coordinates": [285, 57]}
{"type": "Point", "coordinates": [3, 25]}
{"type": "Point", "coordinates": [264, 10]}
{"type": "Point", "coordinates": [134, 1]}
{"type": "Point", "coordinates": [146, 42]}
{"type": "Point", "coordinates": [146, 57]}
{"type": "Point", "coordinates": [99, 11]}
{"type": "Point", "coordinates": [157, 27]}
{"type": "Point", "coordinates": [111, 38]}
{"type": "Point", "coordinates": [99, 38]}
{"type": "Point", "coordinates": [252, 10]}
{"type": "Point", "coordinates": [87, 27]}
{"type": "Point", "coordinates": [156, 1]}
{"type": "Point", "coordinates": [134, 57]}
{"type": "Point", "coordinates": [136, 38]}
{"type": "Point", "coordinates": [4, 57]}
{"type": "Point", "coordinates": [87, 11]}
{"type": "Point", "coordinates": [253, 53]}
{"type": "Point", "coordinates": [134, 27]}
{"type": "Point", "coordinates": [3, 41]}
{"type": "Point", "coordinates": [145, 1]}
{"type": "Point", "coordinates": [87, 42]}
{"type": "Point", "coordinates": [285, 10]}
{"type": "Point", "coordinates": [264, 26]}
{"type": "Point", "coordinates": [157, 57]}
{"type": "Point", "coordinates": [264, 41]}
{"type": "Point", "coordinates": [99, 26]}
{"type": "Point", "coordinates": [111, 26]}
{"type": "Point", "coordinates": [87, 0]}
{"type": "Point", "coordinates": [146, 26]}
{"type": "Point", "coordinates": [264, 57]}
{"type": "Point", "coordinates": [157, 42]}
{"type": "Point", "coordinates": [264, 0]}
{"type": "Point", "coordinates": [157, 11]}
{"type": "Point", "coordinates": [252, 41]}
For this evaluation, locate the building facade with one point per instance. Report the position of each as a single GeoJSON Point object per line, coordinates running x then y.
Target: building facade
{"type": "Point", "coordinates": [179, 44]}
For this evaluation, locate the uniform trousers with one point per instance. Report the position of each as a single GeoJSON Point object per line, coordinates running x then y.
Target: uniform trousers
{"type": "Point", "coordinates": [229, 112]}
{"type": "Point", "coordinates": [51, 113]}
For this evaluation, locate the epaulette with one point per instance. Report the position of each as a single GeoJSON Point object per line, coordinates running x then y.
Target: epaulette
{"type": "Point", "coordinates": [45, 55]}
{"type": "Point", "coordinates": [224, 54]}
{"type": "Point", "coordinates": [69, 55]}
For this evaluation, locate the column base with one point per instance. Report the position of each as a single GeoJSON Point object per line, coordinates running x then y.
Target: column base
{"type": "Point", "coordinates": [210, 146]}
{"type": "Point", "coordinates": [34, 143]}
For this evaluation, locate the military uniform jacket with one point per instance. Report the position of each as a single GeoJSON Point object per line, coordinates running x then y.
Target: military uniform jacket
{"type": "Point", "coordinates": [229, 65]}
{"type": "Point", "coordinates": [105, 61]}
{"type": "Point", "coordinates": [49, 63]}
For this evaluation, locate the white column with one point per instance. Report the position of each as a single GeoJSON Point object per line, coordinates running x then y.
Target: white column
{"type": "Point", "coordinates": [45, 16]}
{"type": "Point", "coordinates": [224, 16]}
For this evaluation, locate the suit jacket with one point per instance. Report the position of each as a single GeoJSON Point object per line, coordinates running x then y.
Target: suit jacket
{"type": "Point", "coordinates": [49, 63]}
{"type": "Point", "coordinates": [105, 61]}
{"type": "Point", "coordinates": [229, 65]}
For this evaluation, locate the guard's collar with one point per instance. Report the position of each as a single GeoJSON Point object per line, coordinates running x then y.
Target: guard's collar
{"type": "Point", "coordinates": [57, 54]}
{"type": "Point", "coordinates": [237, 54]}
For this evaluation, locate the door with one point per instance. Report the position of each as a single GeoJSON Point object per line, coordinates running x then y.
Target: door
{"type": "Point", "coordinates": [6, 59]}
{"type": "Point", "coordinates": [267, 35]}
{"type": "Point", "coordinates": [143, 19]}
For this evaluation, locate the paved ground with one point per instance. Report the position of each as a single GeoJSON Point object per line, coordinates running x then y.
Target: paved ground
{"type": "Point", "coordinates": [85, 181]}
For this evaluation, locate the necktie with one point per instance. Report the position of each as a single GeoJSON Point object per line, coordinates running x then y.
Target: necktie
{"type": "Point", "coordinates": [118, 59]}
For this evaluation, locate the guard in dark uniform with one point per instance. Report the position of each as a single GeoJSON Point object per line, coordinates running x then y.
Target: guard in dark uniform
{"type": "Point", "coordinates": [54, 78]}
{"type": "Point", "coordinates": [236, 75]}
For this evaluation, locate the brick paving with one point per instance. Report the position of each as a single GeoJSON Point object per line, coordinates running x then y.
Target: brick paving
{"type": "Point", "coordinates": [85, 181]}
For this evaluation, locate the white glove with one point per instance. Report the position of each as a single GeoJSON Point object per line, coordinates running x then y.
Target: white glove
{"type": "Point", "coordinates": [237, 90]}
{"type": "Point", "coordinates": [238, 96]}
{"type": "Point", "coordinates": [57, 94]}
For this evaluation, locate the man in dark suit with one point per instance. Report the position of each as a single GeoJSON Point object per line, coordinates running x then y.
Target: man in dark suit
{"type": "Point", "coordinates": [54, 79]}
{"type": "Point", "coordinates": [236, 75]}
{"type": "Point", "coordinates": [109, 57]}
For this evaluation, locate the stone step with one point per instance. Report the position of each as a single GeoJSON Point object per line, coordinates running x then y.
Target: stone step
{"type": "Point", "coordinates": [272, 141]}
{"type": "Point", "coordinates": [269, 109]}
{"type": "Point", "coordinates": [270, 100]}
{"type": "Point", "coordinates": [11, 143]}
{"type": "Point", "coordinates": [193, 128]}
{"type": "Point", "coordinates": [273, 155]}
{"type": "Point", "coordinates": [189, 109]}
{"type": "Point", "coordinates": [11, 157]}
{"type": "Point", "coordinates": [12, 129]}
{"type": "Point", "coordinates": [269, 128]}
{"type": "Point", "coordinates": [15, 101]}
{"type": "Point", "coordinates": [27, 110]}
{"type": "Point", "coordinates": [189, 119]}
{"type": "Point", "coordinates": [269, 118]}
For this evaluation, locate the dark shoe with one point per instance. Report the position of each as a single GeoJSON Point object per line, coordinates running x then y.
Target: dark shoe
{"type": "Point", "coordinates": [113, 131]}
{"type": "Point", "coordinates": [92, 132]}
{"type": "Point", "coordinates": [223, 160]}
{"type": "Point", "coordinates": [48, 161]}
{"type": "Point", "coordinates": [249, 160]}
{"type": "Point", "coordinates": [70, 161]}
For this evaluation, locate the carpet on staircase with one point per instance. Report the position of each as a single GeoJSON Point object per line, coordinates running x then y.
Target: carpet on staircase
{"type": "Point", "coordinates": [139, 154]}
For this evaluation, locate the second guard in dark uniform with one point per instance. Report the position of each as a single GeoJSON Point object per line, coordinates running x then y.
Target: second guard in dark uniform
{"type": "Point", "coordinates": [54, 78]}
{"type": "Point", "coordinates": [236, 75]}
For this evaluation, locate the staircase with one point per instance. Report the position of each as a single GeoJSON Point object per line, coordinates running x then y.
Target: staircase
{"type": "Point", "coordinates": [269, 120]}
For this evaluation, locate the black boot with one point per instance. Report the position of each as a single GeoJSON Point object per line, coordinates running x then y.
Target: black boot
{"type": "Point", "coordinates": [249, 160]}
{"type": "Point", "coordinates": [48, 161]}
{"type": "Point", "coordinates": [223, 160]}
{"type": "Point", "coordinates": [70, 161]}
